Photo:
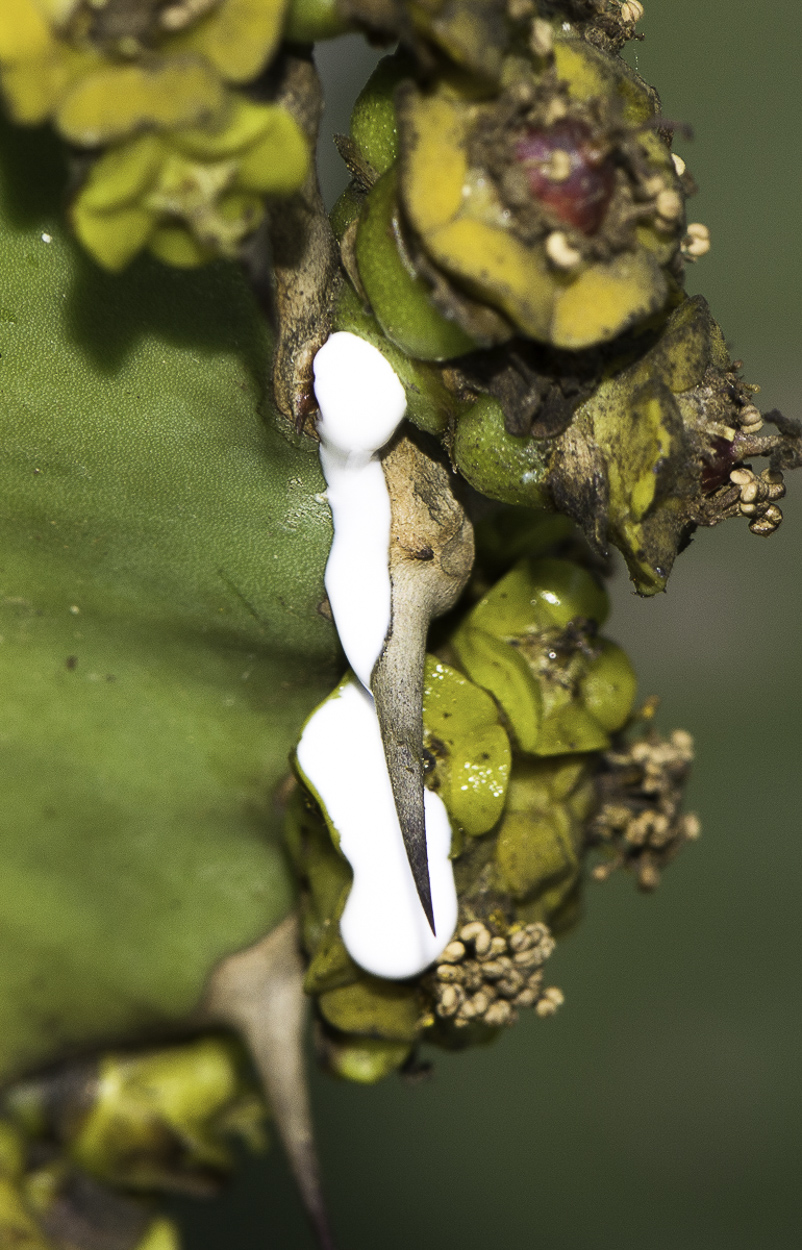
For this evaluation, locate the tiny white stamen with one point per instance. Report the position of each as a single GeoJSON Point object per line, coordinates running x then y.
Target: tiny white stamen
{"type": "Point", "coordinates": [632, 11]}
{"type": "Point", "coordinates": [560, 252]}
{"type": "Point", "coordinates": [696, 242]}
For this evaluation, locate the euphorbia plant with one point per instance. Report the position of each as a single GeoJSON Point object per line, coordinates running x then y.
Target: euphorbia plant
{"type": "Point", "coordinates": [512, 243]}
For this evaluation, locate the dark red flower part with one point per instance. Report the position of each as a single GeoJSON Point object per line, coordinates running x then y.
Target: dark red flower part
{"type": "Point", "coordinates": [578, 189]}
{"type": "Point", "coordinates": [719, 463]}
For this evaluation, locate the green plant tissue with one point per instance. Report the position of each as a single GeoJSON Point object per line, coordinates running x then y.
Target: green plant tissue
{"type": "Point", "coordinates": [161, 566]}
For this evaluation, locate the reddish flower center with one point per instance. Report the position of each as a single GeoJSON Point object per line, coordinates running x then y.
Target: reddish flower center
{"type": "Point", "coordinates": [567, 173]}
{"type": "Point", "coordinates": [719, 463]}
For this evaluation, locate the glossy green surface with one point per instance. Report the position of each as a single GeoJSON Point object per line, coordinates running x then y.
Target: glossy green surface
{"type": "Point", "coordinates": [531, 643]}
{"type": "Point", "coordinates": [470, 748]}
{"type": "Point", "coordinates": [608, 690]}
{"type": "Point", "coordinates": [501, 670]}
{"type": "Point", "coordinates": [540, 594]}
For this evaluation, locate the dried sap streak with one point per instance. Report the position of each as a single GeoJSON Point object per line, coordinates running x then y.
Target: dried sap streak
{"type": "Point", "coordinates": [340, 752]}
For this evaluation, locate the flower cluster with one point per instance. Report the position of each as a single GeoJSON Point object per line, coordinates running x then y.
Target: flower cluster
{"type": "Point", "coordinates": [543, 202]}
{"type": "Point", "coordinates": [486, 978]}
{"type": "Point", "coordinates": [514, 240]}
{"type": "Point", "coordinates": [524, 707]}
{"type": "Point", "coordinates": [177, 157]}
{"type": "Point", "coordinates": [640, 824]}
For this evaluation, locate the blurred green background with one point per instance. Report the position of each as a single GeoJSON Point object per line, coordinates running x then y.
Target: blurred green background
{"type": "Point", "coordinates": [660, 1109]}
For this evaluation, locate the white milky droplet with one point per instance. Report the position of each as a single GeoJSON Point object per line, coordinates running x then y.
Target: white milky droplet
{"type": "Point", "coordinates": [384, 927]}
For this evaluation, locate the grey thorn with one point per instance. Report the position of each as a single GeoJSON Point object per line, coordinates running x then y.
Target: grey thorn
{"type": "Point", "coordinates": [259, 993]}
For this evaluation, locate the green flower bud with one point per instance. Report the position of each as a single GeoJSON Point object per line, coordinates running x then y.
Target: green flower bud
{"type": "Point", "coordinates": [540, 841]}
{"type": "Point", "coordinates": [399, 297]}
{"type": "Point", "coordinates": [471, 751]}
{"type": "Point", "coordinates": [374, 125]}
{"type": "Point", "coordinates": [609, 686]}
{"type": "Point", "coordinates": [388, 1010]}
{"type": "Point", "coordinates": [495, 462]}
{"type": "Point", "coordinates": [363, 1060]}
{"type": "Point", "coordinates": [530, 642]}
{"type": "Point", "coordinates": [585, 699]}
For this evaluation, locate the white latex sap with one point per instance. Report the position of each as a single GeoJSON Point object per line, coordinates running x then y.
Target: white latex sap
{"type": "Point", "coordinates": [383, 926]}
{"type": "Point", "coordinates": [362, 403]}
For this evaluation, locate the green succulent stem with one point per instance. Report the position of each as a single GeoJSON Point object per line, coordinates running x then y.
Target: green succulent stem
{"type": "Point", "coordinates": [513, 240]}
